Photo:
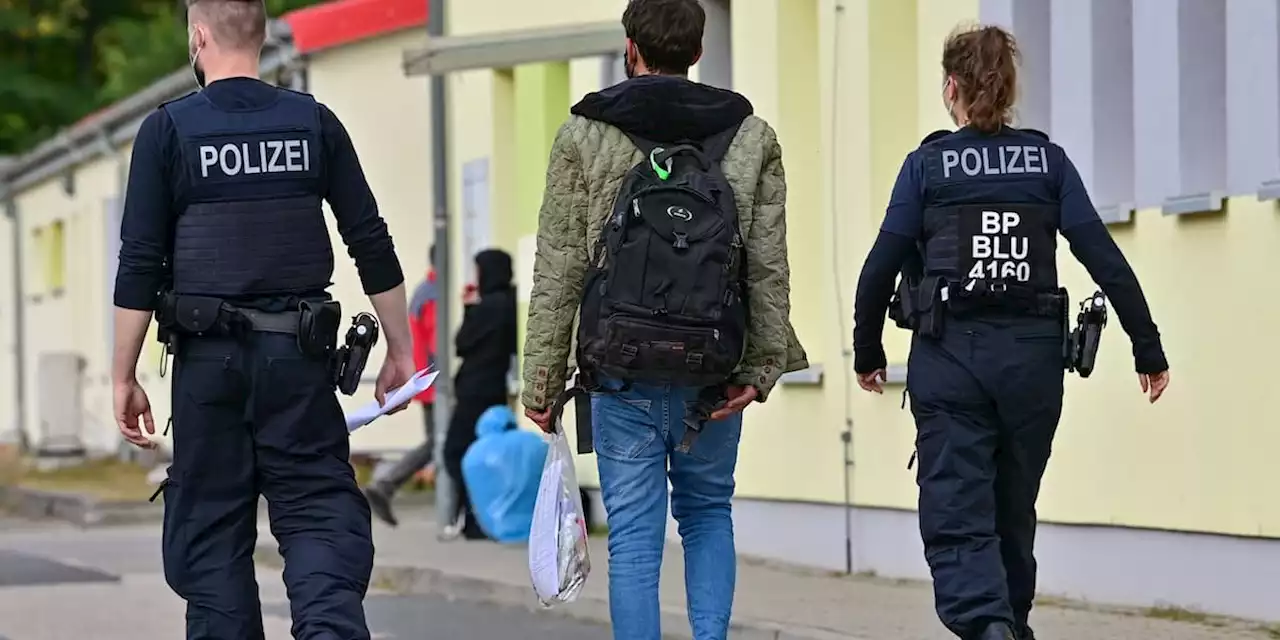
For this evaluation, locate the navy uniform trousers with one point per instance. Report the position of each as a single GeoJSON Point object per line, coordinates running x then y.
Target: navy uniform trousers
{"type": "Point", "coordinates": [986, 398]}
{"type": "Point", "coordinates": [255, 417]}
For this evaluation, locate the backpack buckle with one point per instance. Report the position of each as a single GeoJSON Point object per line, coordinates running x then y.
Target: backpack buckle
{"type": "Point", "coordinates": [663, 173]}
{"type": "Point", "coordinates": [629, 353]}
{"type": "Point", "coordinates": [694, 359]}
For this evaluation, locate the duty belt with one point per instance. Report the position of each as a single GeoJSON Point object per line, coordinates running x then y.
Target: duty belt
{"type": "Point", "coordinates": [285, 322]}
{"type": "Point", "coordinates": [983, 295]}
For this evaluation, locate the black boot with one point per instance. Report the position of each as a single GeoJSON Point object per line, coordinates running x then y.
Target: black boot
{"type": "Point", "coordinates": [380, 504]}
{"type": "Point", "coordinates": [998, 631]}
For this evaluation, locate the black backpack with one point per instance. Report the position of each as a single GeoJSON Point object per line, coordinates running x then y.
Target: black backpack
{"type": "Point", "coordinates": [664, 298]}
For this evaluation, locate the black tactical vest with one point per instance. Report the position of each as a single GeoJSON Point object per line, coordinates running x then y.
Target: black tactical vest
{"type": "Point", "coordinates": [250, 221]}
{"type": "Point", "coordinates": [990, 212]}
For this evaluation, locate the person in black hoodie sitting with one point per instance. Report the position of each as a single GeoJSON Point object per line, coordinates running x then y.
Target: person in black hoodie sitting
{"type": "Point", "coordinates": [486, 344]}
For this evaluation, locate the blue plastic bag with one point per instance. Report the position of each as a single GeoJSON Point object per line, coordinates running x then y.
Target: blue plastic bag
{"type": "Point", "coordinates": [502, 470]}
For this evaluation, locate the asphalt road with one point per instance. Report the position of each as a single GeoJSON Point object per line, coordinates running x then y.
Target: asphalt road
{"type": "Point", "coordinates": [59, 583]}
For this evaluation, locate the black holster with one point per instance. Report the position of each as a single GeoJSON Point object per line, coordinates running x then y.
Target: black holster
{"type": "Point", "coordinates": [350, 359]}
{"type": "Point", "coordinates": [1087, 336]}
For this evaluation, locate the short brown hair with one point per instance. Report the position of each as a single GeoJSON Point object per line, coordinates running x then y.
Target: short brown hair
{"type": "Point", "coordinates": [239, 24]}
{"type": "Point", "coordinates": [984, 63]}
{"type": "Point", "coordinates": [667, 33]}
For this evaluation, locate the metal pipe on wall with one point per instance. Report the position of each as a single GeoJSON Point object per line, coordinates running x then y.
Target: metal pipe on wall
{"type": "Point", "coordinates": [445, 495]}
{"type": "Point", "coordinates": [19, 322]}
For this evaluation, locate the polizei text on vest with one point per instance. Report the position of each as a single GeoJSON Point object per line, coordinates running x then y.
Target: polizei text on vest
{"type": "Point", "coordinates": [994, 161]}
{"type": "Point", "coordinates": [267, 156]}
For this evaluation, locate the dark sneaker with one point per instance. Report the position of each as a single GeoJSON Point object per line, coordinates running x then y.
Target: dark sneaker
{"type": "Point", "coordinates": [998, 631]}
{"type": "Point", "coordinates": [380, 504]}
{"type": "Point", "coordinates": [473, 533]}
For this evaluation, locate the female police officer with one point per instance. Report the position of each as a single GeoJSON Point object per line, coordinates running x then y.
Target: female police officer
{"type": "Point", "coordinates": [973, 223]}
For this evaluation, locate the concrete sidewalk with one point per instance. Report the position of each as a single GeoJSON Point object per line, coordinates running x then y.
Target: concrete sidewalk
{"type": "Point", "coordinates": [773, 601]}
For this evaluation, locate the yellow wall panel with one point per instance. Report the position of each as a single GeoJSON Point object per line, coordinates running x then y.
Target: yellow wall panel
{"type": "Point", "coordinates": [851, 86]}
{"type": "Point", "coordinates": [937, 19]}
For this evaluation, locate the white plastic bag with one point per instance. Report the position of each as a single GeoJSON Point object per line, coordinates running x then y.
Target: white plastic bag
{"type": "Point", "coordinates": [558, 558]}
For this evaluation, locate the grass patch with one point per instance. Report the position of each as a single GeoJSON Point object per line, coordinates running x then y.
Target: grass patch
{"type": "Point", "coordinates": [364, 467]}
{"type": "Point", "coordinates": [10, 465]}
{"type": "Point", "coordinates": [1178, 614]}
{"type": "Point", "coordinates": [107, 479]}
{"type": "Point", "coordinates": [364, 471]}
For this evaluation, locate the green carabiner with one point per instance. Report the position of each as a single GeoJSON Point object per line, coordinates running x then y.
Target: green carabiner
{"type": "Point", "coordinates": [663, 174]}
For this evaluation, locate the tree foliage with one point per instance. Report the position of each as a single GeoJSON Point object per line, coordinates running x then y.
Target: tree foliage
{"type": "Point", "coordinates": [63, 59]}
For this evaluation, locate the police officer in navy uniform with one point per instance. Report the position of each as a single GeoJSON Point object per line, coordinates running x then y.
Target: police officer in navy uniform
{"type": "Point", "coordinates": [973, 222]}
{"type": "Point", "coordinates": [224, 238]}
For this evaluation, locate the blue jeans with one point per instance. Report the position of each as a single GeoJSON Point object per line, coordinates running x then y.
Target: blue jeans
{"type": "Point", "coordinates": [636, 433]}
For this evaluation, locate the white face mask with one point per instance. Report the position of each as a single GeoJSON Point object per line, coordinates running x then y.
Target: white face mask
{"type": "Point", "coordinates": [949, 104]}
{"type": "Point", "coordinates": [194, 53]}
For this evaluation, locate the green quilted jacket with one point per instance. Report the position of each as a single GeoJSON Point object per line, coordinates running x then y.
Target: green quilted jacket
{"type": "Point", "coordinates": [588, 161]}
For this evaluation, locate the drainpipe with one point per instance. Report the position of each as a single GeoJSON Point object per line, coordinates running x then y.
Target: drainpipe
{"type": "Point", "coordinates": [445, 495]}
{"type": "Point", "coordinates": [19, 328]}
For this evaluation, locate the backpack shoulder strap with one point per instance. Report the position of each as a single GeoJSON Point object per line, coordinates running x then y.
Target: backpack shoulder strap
{"type": "Point", "coordinates": [645, 145]}
{"type": "Point", "coordinates": [716, 146]}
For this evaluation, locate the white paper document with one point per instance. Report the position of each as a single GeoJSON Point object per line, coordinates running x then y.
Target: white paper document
{"type": "Point", "coordinates": [372, 411]}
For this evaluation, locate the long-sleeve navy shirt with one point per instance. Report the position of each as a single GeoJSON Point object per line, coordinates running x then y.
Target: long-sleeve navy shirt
{"type": "Point", "coordinates": [156, 178]}
{"type": "Point", "coordinates": [1090, 242]}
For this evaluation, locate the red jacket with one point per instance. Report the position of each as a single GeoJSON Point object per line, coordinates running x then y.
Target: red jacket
{"type": "Point", "coordinates": [422, 326]}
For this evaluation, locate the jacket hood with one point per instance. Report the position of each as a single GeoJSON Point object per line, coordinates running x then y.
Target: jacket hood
{"type": "Point", "coordinates": [424, 293]}
{"type": "Point", "coordinates": [495, 420]}
{"type": "Point", "coordinates": [665, 108]}
{"type": "Point", "coordinates": [493, 270]}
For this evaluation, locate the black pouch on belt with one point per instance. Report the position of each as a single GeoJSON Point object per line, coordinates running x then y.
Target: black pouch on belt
{"type": "Point", "coordinates": [199, 315]}
{"type": "Point", "coordinates": [931, 310]}
{"type": "Point", "coordinates": [902, 307]}
{"type": "Point", "coordinates": [318, 324]}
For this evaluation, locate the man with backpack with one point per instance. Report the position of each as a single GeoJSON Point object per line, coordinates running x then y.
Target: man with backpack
{"type": "Point", "coordinates": [663, 232]}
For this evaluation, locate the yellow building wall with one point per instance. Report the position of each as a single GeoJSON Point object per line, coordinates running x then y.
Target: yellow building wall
{"type": "Point", "coordinates": [1195, 461]}
{"type": "Point", "coordinates": [1199, 459]}
{"type": "Point", "coordinates": [851, 87]}
{"type": "Point", "coordinates": [74, 317]}
{"type": "Point", "coordinates": [791, 447]}
{"type": "Point", "coordinates": [392, 136]}
{"type": "Point", "coordinates": [902, 62]}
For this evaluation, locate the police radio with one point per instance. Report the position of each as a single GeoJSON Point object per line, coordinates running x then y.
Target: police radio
{"type": "Point", "coordinates": [1087, 335]}
{"type": "Point", "coordinates": [352, 356]}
